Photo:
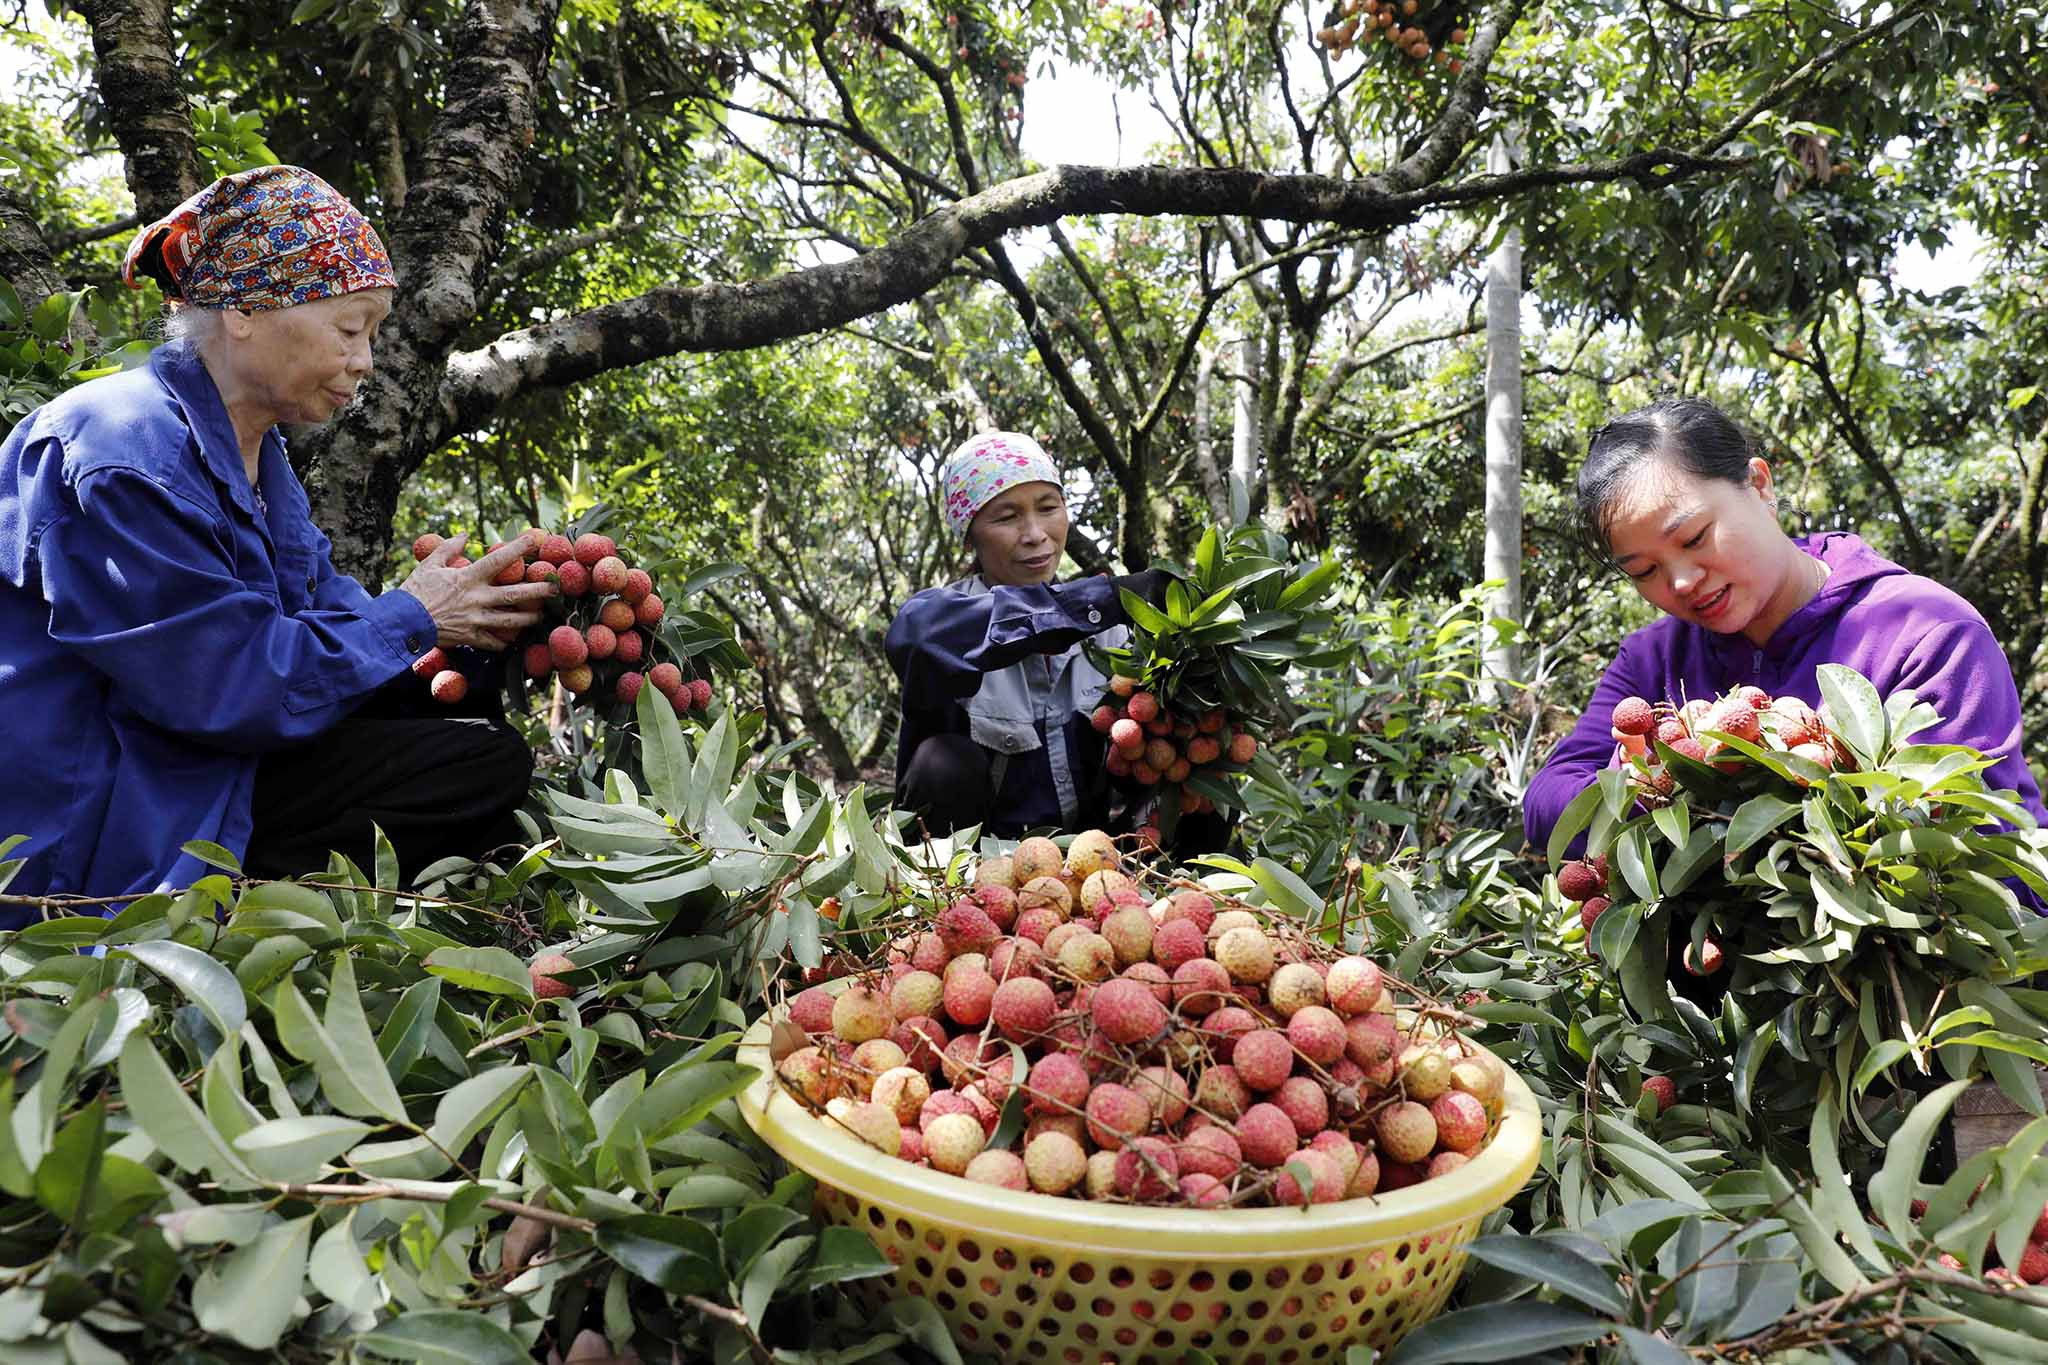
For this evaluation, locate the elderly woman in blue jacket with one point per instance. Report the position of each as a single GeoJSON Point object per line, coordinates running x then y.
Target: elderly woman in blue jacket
{"type": "Point", "coordinates": [179, 659]}
{"type": "Point", "coordinates": [997, 688]}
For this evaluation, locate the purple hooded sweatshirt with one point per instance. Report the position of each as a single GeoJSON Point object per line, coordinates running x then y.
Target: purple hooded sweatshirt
{"type": "Point", "coordinates": [1895, 628]}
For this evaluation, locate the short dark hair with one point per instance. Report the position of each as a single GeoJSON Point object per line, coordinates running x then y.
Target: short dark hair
{"type": "Point", "coordinates": [1700, 438]}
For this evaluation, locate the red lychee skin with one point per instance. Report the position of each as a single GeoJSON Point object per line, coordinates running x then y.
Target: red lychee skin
{"type": "Point", "coordinates": [967, 1058]}
{"type": "Point", "coordinates": [545, 985]}
{"type": "Point", "coordinates": [923, 1040]}
{"type": "Point", "coordinates": [1406, 1132]}
{"type": "Point", "coordinates": [970, 995]}
{"type": "Point", "coordinates": [1317, 1034]}
{"type": "Point", "coordinates": [557, 549]}
{"type": "Point", "coordinates": [1633, 716]}
{"type": "Point", "coordinates": [1022, 1008]}
{"type": "Point", "coordinates": [573, 579]}
{"type": "Point", "coordinates": [1305, 1104]}
{"type": "Point", "coordinates": [1443, 1163]}
{"type": "Point", "coordinates": [1664, 1088]}
{"type": "Point", "coordinates": [2040, 1232]}
{"type": "Point", "coordinates": [929, 953]}
{"type": "Point", "coordinates": [1153, 977]}
{"type": "Point", "coordinates": [1669, 732]}
{"type": "Point", "coordinates": [1102, 718]}
{"type": "Point", "coordinates": [1266, 1135]}
{"type": "Point", "coordinates": [649, 610]}
{"type": "Point", "coordinates": [1354, 985]}
{"type": "Point", "coordinates": [1203, 1191]}
{"type": "Point", "coordinates": [567, 647]}
{"type": "Point", "coordinates": [812, 1010]}
{"type": "Point", "coordinates": [862, 1012]}
{"type": "Point", "coordinates": [540, 661]}
{"type": "Point", "coordinates": [1129, 931]}
{"type": "Point", "coordinates": [1757, 698]}
{"type": "Point", "coordinates": [1143, 707]}
{"type": "Point", "coordinates": [616, 615]}
{"type": "Point", "coordinates": [1737, 718]}
{"type": "Point", "coordinates": [1242, 747]}
{"type": "Point", "coordinates": [1365, 1179]}
{"type": "Point", "coordinates": [999, 903]}
{"type": "Point", "coordinates": [1147, 1169]}
{"type": "Point", "coordinates": [1578, 882]}
{"type": "Point", "coordinates": [1037, 922]}
{"type": "Point", "coordinates": [1325, 1175]}
{"type": "Point", "coordinates": [1691, 748]}
{"type": "Point", "coordinates": [965, 927]}
{"type": "Point", "coordinates": [602, 641]}
{"type": "Point", "coordinates": [590, 548]}
{"type": "Point", "coordinates": [1210, 1151]}
{"type": "Point", "coordinates": [1592, 910]}
{"type": "Point", "coordinates": [628, 687]}
{"type": "Point", "coordinates": [1116, 1114]}
{"type": "Point", "coordinates": [1056, 1084]}
{"type": "Point", "coordinates": [637, 585]}
{"type": "Point", "coordinates": [664, 678]}
{"type": "Point", "coordinates": [540, 571]}
{"type": "Point", "coordinates": [1128, 736]}
{"type": "Point", "coordinates": [1005, 1170]}
{"type": "Point", "coordinates": [2033, 1267]}
{"type": "Point", "coordinates": [1014, 957]}
{"type": "Point", "coordinates": [1200, 986]}
{"type": "Point", "coordinates": [1263, 1058]}
{"type": "Point", "coordinates": [609, 574]}
{"type": "Point", "coordinates": [1369, 1040]}
{"type": "Point", "coordinates": [1220, 1091]}
{"type": "Point", "coordinates": [449, 687]}
{"type": "Point", "coordinates": [1126, 1011]}
{"type": "Point", "coordinates": [700, 694]}
{"type": "Point", "coordinates": [425, 545]}
{"type": "Point", "coordinates": [1229, 1023]}
{"type": "Point", "coordinates": [1177, 941]}
{"type": "Point", "coordinates": [430, 663]}
{"type": "Point", "coordinates": [1709, 959]}
{"type": "Point", "coordinates": [1190, 905]}
{"type": "Point", "coordinates": [1166, 1091]}
{"type": "Point", "coordinates": [1460, 1120]}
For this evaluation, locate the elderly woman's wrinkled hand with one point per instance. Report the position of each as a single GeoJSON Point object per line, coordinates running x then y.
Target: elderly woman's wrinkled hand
{"type": "Point", "coordinates": [467, 607]}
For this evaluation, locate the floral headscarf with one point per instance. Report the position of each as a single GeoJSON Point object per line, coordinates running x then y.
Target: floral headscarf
{"type": "Point", "coordinates": [987, 465]}
{"type": "Point", "coordinates": [270, 237]}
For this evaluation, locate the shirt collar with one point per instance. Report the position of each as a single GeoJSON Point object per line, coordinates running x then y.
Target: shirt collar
{"type": "Point", "coordinates": [178, 368]}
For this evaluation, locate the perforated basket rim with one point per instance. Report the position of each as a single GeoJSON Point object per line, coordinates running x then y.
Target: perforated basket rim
{"type": "Point", "coordinates": [836, 1157]}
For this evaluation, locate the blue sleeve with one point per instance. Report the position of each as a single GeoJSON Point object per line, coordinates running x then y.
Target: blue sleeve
{"type": "Point", "coordinates": [142, 588]}
{"type": "Point", "coordinates": [943, 639]}
{"type": "Point", "coordinates": [1578, 759]}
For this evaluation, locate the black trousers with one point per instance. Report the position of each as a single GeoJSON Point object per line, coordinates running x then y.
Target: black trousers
{"type": "Point", "coordinates": [440, 782]}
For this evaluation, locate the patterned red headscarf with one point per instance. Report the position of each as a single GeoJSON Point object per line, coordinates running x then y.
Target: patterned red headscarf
{"type": "Point", "coordinates": [266, 238]}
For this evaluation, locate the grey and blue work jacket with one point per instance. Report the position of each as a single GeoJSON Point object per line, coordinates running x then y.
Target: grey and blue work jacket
{"type": "Point", "coordinates": [1005, 666]}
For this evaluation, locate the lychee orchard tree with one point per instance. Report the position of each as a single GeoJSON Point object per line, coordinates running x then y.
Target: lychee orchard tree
{"type": "Point", "coordinates": [573, 190]}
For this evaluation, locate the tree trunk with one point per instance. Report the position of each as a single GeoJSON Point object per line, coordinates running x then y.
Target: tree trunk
{"type": "Point", "coordinates": [1245, 463]}
{"type": "Point", "coordinates": [1213, 487]}
{"type": "Point", "coordinates": [1502, 662]}
{"type": "Point", "coordinates": [25, 258]}
{"type": "Point", "coordinates": [144, 94]}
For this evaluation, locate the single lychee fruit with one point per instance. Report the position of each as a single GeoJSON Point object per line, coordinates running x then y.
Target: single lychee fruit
{"type": "Point", "coordinates": [1210, 1151]}
{"type": "Point", "coordinates": [1088, 957]}
{"type": "Point", "coordinates": [430, 663]}
{"type": "Point", "coordinates": [1129, 932]}
{"type": "Point", "coordinates": [1737, 718]}
{"type": "Point", "coordinates": [1708, 960]}
{"type": "Point", "coordinates": [1125, 1011]}
{"type": "Point", "coordinates": [877, 1055]}
{"type": "Point", "coordinates": [1594, 907]}
{"type": "Point", "coordinates": [1103, 718]}
{"type": "Point", "coordinates": [861, 1013]}
{"type": "Point", "coordinates": [1102, 888]}
{"type": "Point", "coordinates": [942, 1103]}
{"type": "Point", "coordinates": [1294, 987]}
{"type": "Point", "coordinates": [627, 688]}
{"type": "Point", "coordinates": [1369, 1039]}
{"type": "Point", "coordinates": [1316, 1033]}
{"type": "Point", "coordinates": [1196, 906]}
{"type": "Point", "coordinates": [1005, 1170]}
{"type": "Point", "coordinates": [1100, 1182]}
{"type": "Point", "coordinates": [567, 647]}
{"type": "Point", "coordinates": [649, 610]}
{"type": "Point", "coordinates": [1425, 1071]}
{"type": "Point", "coordinates": [1177, 942]}
{"type": "Point", "coordinates": [1092, 851]}
{"type": "Point", "coordinates": [1147, 1169]}
{"type": "Point", "coordinates": [700, 693]}
{"type": "Point", "coordinates": [903, 1090]}
{"type": "Point", "coordinates": [449, 687]}
{"type": "Point", "coordinates": [1263, 1058]}
{"type": "Point", "coordinates": [1266, 1136]}
{"type": "Point", "coordinates": [1664, 1088]}
{"type": "Point", "coordinates": [952, 1141]}
{"type": "Point", "coordinates": [1479, 1077]}
{"type": "Point", "coordinates": [1230, 1023]}
{"type": "Point", "coordinates": [812, 1010]}
{"type": "Point", "coordinates": [578, 680]}
{"type": "Point", "coordinates": [1200, 986]}
{"type": "Point", "coordinates": [547, 986]}
{"type": "Point", "coordinates": [1153, 977]}
{"type": "Point", "coordinates": [1460, 1121]}
{"type": "Point", "coordinates": [1056, 1084]}
{"type": "Point", "coordinates": [1247, 954]}
{"type": "Point", "coordinates": [1306, 1105]}
{"type": "Point", "coordinates": [1577, 881]}
{"type": "Point", "coordinates": [609, 574]}
{"type": "Point", "coordinates": [1633, 716]}
{"type": "Point", "coordinates": [1022, 1008]}
{"type": "Point", "coordinates": [425, 545]}
{"type": "Point", "coordinates": [637, 585]}
{"type": "Point", "coordinates": [590, 548]}
{"type": "Point", "coordinates": [964, 927]}
{"type": "Point", "coordinates": [540, 661]}
{"type": "Point", "coordinates": [1354, 985]}
{"type": "Point", "coordinates": [1046, 892]}
{"type": "Point", "coordinates": [1242, 747]}
{"type": "Point", "coordinates": [616, 615]}
{"type": "Point", "coordinates": [1341, 1149]}
{"type": "Point", "coordinates": [1116, 1114]}
{"type": "Point", "coordinates": [1220, 1091]}
{"type": "Point", "coordinates": [1405, 1131]}
{"type": "Point", "coordinates": [914, 993]}
{"type": "Point", "coordinates": [1014, 957]}
{"type": "Point", "coordinates": [1443, 1163]}
{"type": "Point", "coordinates": [1203, 1191]}
{"type": "Point", "coordinates": [999, 903]}
{"type": "Point", "coordinates": [1073, 1125]}
{"type": "Point", "coordinates": [572, 578]}
{"type": "Point", "coordinates": [1036, 857]}
{"type": "Point", "coordinates": [1166, 1091]}
{"type": "Point", "coordinates": [810, 1075]}
{"type": "Point", "coordinates": [1128, 736]}
{"type": "Point", "coordinates": [1037, 924]}
{"type": "Point", "coordinates": [556, 549]}
{"type": "Point", "coordinates": [1054, 1163]}
{"type": "Point", "coordinates": [970, 994]}
{"type": "Point", "coordinates": [664, 678]}
{"type": "Point", "coordinates": [1326, 1179]}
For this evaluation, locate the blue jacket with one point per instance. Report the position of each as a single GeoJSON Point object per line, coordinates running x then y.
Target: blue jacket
{"type": "Point", "coordinates": [1005, 667]}
{"type": "Point", "coordinates": [158, 632]}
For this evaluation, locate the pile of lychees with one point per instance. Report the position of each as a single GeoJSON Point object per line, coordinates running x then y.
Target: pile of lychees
{"type": "Point", "coordinates": [598, 637]}
{"type": "Point", "coordinates": [1152, 746]}
{"type": "Point", "coordinates": [1173, 1050]}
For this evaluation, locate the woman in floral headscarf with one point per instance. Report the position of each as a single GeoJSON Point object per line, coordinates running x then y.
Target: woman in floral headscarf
{"type": "Point", "coordinates": [179, 659]}
{"type": "Point", "coordinates": [996, 687]}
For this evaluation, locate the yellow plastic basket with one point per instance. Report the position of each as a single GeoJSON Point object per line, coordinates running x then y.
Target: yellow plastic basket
{"type": "Point", "coordinates": [1033, 1277]}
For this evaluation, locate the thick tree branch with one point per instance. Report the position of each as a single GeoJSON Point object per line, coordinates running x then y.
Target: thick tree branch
{"type": "Point", "coordinates": [25, 258]}
{"type": "Point", "coordinates": [66, 238]}
{"type": "Point", "coordinates": [144, 94]}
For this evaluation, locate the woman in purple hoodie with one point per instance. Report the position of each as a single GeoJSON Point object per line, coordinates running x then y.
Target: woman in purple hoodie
{"type": "Point", "coordinates": [1674, 496]}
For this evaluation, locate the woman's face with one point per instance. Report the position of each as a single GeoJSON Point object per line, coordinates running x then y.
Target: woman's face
{"type": "Point", "coordinates": [1019, 535]}
{"type": "Point", "coordinates": [305, 362]}
{"type": "Point", "coordinates": [1708, 551]}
